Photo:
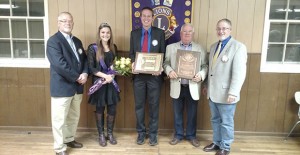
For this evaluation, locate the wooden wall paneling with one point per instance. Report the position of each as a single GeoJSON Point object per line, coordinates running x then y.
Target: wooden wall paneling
{"type": "Point", "coordinates": [30, 97]}
{"type": "Point", "coordinates": [217, 11]}
{"type": "Point", "coordinates": [52, 15]}
{"type": "Point", "coordinates": [240, 113]}
{"type": "Point", "coordinates": [267, 102]}
{"type": "Point", "coordinates": [253, 92]}
{"type": "Point", "coordinates": [162, 105]}
{"type": "Point", "coordinates": [258, 26]}
{"type": "Point", "coordinates": [106, 12]}
{"type": "Point", "coordinates": [63, 5]}
{"type": "Point", "coordinates": [232, 14]}
{"type": "Point", "coordinates": [281, 103]}
{"type": "Point", "coordinates": [129, 105]}
{"type": "Point", "coordinates": [245, 22]}
{"type": "Point", "coordinates": [90, 111]}
{"type": "Point", "coordinates": [127, 26]}
{"type": "Point", "coordinates": [47, 96]}
{"type": "Point", "coordinates": [119, 35]}
{"type": "Point", "coordinates": [4, 104]}
{"type": "Point", "coordinates": [205, 115]}
{"type": "Point", "coordinates": [13, 98]}
{"type": "Point", "coordinates": [168, 114]}
{"type": "Point", "coordinates": [195, 19]}
{"type": "Point", "coordinates": [292, 107]}
{"type": "Point", "coordinates": [90, 22]}
{"type": "Point", "coordinates": [202, 24]}
{"type": "Point", "coordinates": [76, 8]}
{"type": "Point", "coordinates": [120, 119]}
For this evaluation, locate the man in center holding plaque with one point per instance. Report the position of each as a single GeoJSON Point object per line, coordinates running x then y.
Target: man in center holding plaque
{"type": "Point", "coordinates": [186, 66]}
{"type": "Point", "coordinates": [147, 40]}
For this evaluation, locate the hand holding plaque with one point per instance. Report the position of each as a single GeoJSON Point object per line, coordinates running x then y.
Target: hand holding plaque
{"type": "Point", "coordinates": [148, 63]}
{"type": "Point", "coordinates": [187, 63]}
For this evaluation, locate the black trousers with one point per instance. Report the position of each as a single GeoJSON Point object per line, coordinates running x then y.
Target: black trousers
{"type": "Point", "coordinates": [147, 86]}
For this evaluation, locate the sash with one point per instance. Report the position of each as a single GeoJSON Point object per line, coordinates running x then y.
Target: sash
{"type": "Point", "coordinates": [99, 82]}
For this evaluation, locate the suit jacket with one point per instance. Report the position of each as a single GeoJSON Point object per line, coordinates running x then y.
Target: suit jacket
{"type": "Point", "coordinates": [64, 66]}
{"type": "Point", "coordinates": [135, 42]}
{"type": "Point", "coordinates": [135, 45]}
{"type": "Point", "coordinates": [170, 63]}
{"type": "Point", "coordinates": [229, 72]}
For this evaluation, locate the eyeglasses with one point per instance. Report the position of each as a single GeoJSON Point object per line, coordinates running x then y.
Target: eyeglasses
{"type": "Point", "coordinates": [66, 21]}
{"type": "Point", "coordinates": [222, 28]}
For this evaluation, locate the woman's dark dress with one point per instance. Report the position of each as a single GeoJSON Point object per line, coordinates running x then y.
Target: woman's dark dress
{"type": "Point", "coordinates": [107, 94]}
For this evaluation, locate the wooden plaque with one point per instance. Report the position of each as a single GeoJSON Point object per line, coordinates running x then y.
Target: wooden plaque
{"type": "Point", "coordinates": [187, 63]}
{"type": "Point", "coordinates": [148, 63]}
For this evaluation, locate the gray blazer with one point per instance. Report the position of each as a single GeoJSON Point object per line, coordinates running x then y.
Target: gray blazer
{"type": "Point", "coordinates": [169, 65]}
{"type": "Point", "coordinates": [229, 72]}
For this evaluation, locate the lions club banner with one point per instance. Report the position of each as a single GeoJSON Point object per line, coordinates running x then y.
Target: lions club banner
{"type": "Point", "coordinates": [169, 15]}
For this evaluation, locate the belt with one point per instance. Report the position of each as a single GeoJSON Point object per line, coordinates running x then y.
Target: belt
{"type": "Point", "coordinates": [184, 85]}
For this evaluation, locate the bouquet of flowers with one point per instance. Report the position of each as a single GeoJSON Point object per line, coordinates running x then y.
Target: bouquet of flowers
{"type": "Point", "coordinates": [122, 66]}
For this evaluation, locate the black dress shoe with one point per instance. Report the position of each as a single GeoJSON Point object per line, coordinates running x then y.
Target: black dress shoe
{"type": "Point", "coordinates": [74, 144]}
{"type": "Point", "coordinates": [62, 153]}
{"type": "Point", "coordinates": [153, 141]}
{"type": "Point", "coordinates": [141, 139]}
{"type": "Point", "coordinates": [174, 141]}
{"type": "Point", "coordinates": [211, 147]}
{"type": "Point", "coordinates": [222, 152]}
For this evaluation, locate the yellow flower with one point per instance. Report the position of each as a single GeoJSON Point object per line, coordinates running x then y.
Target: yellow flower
{"type": "Point", "coordinates": [122, 66]}
{"type": "Point", "coordinates": [117, 62]}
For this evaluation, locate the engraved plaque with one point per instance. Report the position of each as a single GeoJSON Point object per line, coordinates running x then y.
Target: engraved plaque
{"type": "Point", "coordinates": [187, 63]}
{"type": "Point", "coordinates": [148, 63]}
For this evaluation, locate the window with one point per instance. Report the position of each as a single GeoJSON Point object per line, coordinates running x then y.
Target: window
{"type": "Point", "coordinates": [22, 33]}
{"type": "Point", "coordinates": [281, 42]}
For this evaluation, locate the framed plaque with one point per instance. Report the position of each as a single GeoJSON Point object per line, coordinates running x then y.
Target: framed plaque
{"type": "Point", "coordinates": [187, 63]}
{"type": "Point", "coordinates": [148, 63]}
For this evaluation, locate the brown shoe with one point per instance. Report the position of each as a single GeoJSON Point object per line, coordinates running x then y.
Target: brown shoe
{"type": "Point", "coordinates": [195, 142]}
{"type": "Point", "coordinates": [211, 147]}
{"type": "Point", "coordinates": [174, 141]}
{"type": "Point", "coordinates": [62, 153]}
{"type": "Point", "coordinates": [74, 144]}
{"type": "Point", "coordinates": [222, 152]}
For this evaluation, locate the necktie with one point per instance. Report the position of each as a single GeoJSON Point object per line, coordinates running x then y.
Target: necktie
{"type": "Point", "coordinates": [70, 41]}
{"type": "Point", "coordinates": [145, 42]}
{"type": "Point", "coordinates": [217, 53]}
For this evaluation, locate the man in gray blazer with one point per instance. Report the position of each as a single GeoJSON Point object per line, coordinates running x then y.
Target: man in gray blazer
{"type": "Point", "coordinates": [227, 72]}
{"type": "Point", "coordinates": [68, 74]}
{"type": "Point", "coordinates": [184, 92]}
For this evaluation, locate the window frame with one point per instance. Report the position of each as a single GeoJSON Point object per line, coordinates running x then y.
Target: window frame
{"type": "Point", "coordinates": [27, 62]}
{"type": "Point", "coordinates": [276, 67]}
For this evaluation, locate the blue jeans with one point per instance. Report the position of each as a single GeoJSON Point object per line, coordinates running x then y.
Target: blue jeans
{"type": "Point", "coordinates": [222, 121]}
{"type": "Point", "coordinates": [185, 100]}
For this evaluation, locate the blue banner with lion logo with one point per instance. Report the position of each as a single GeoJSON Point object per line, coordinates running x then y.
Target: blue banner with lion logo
{"type": "Point", "coordinates": [169, 15]}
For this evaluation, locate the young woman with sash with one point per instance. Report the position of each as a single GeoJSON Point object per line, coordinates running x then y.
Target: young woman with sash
{"type": "Point", "coordinates": [105, 91]}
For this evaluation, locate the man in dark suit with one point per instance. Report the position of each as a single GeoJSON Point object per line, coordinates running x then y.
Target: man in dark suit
{"type": "Point", "coordinates": [68, 74]}
{"type": "Point", "coordinates": [147, 39]}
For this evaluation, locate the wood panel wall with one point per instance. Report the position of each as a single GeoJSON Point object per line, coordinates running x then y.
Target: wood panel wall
{"type": "Point", "coordinates": [267, 103]}
{"type": "Point", "coordinates": [247, 20]}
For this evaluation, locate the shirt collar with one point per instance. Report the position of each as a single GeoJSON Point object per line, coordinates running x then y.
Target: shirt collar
{"type": "Point", "coordinates": [65, 35]}
{"type": "Point", "coordinates": [225, 41]}
{"type": "Point", "coordinates": [183, 45]}
{"type": "Point", "coordinates": [149, 30]}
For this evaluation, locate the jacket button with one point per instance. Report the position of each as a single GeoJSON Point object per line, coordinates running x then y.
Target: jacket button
{"type": "Point", "coordinates": [211, 75]}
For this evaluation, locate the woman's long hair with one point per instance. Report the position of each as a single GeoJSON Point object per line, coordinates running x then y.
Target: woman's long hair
{"type": "Point", "coordinates": [100, 51]}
